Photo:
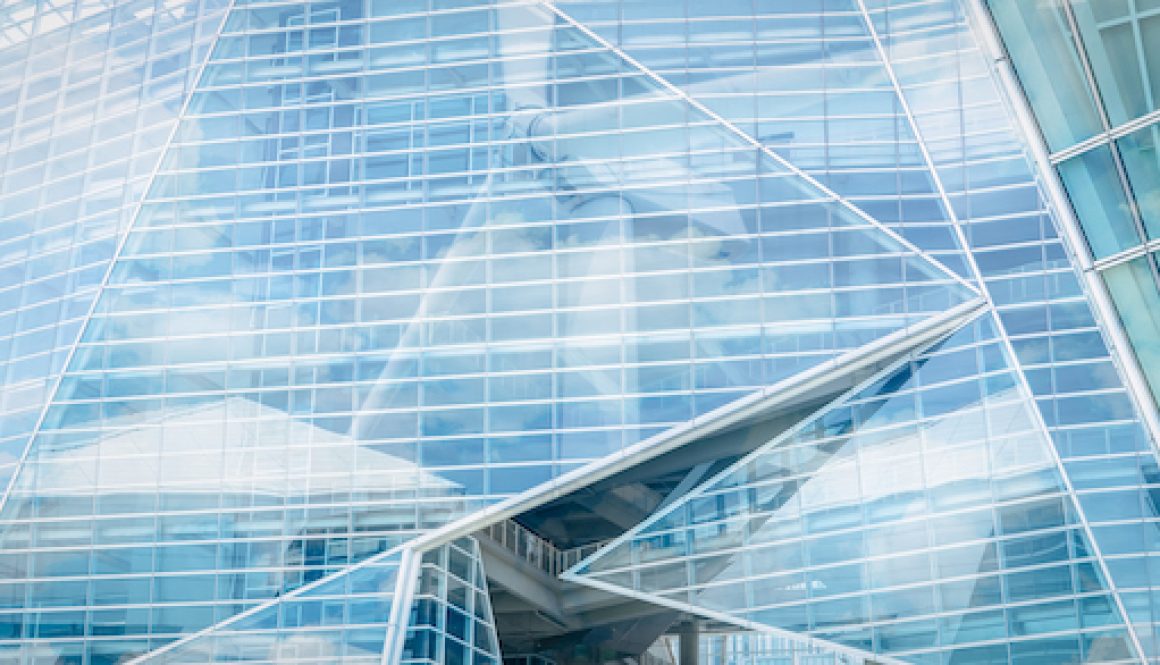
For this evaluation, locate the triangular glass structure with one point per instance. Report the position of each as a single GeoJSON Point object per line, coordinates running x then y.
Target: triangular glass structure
{"type": "Point", "coordinates": [804, 80]}
{"type": "Point", "coordinates": [923, 513]}
{"type": "Point", "coordinates": [1088, 409]}
{"type": "Point", "coordinates": [382, 282]}
{"type": "Point", "coordinates": [381, 263]}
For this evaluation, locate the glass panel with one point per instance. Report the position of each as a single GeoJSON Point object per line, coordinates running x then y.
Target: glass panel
{"type": "Point", "coordinates": [1043, 52]}
{"type": "Point", "coordinates": [1101, 204]}
{"type": "Point", "coordinates": [1117, 49]}
{"type": "Point", "coordinates": [1149, 27]}
{"type": "Point", "coordinates": [337, 276]}
{"type": "Point", "coordinates": [345, 619]}
{"type": "Point", "coordinates": [793, 79]}
{"type": "Point", "coordinates": [1142, 163]}
{"type": "Point", "coordinates": [377, 286]}
{"type": "Point", "coordinates": [59, 225]}
{"type": "Point", "coordinates": [1134, 289]}
{"type": "Point", "coordinates": [451, 613]}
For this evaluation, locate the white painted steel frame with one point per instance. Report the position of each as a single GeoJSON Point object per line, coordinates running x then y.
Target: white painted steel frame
{"type": "Point", "coordinates": [881, 351]}
{"type": "Point", "coordinates": [743, 135]}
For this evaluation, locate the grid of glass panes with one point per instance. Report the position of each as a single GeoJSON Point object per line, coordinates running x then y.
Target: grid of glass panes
{"type": "Point", "coordinates": [305, 354]}
{"type": "Point", "coordinates": [436, 265]}
{"type": "Point", "coordinates": [343, 620]}
{"type": "Point", "coordinates": [303, 159]}
{"type": "Point", "coordinates": [89, 94]}
{"type": "Point", "coordinates": [1036, 291]}
{"type": "Point", "coordinates": [993, 191]}
{"type": "Point", "coordinates": [1091, 71]}
{"type": "Point", "coordinates": [752, 648]}
{"type": "Point", "coordinates": [147, 534]}
{"type": "Point", "coordinates": [921, 514]}
{"type": "Point", "coordinates": [1092, 74]}
{"type": "Point", "coordinates": [451, 619]}
{"type": "Point", "coordinates": [803, 79]}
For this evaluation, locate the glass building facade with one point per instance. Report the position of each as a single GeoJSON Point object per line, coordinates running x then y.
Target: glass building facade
{"type": "Point", "coordinates": [303, 299]}
{"type": "Point", "coordinates": [1091, 73]}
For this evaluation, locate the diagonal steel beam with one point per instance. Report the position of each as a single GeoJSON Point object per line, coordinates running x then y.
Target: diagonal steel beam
{"type": "Point", "coordinates": [793, 390]}
{"type": "Point", "coordinates": [1071, 233]}
{"type": "Point", "coordinates": [576, 576]}
{"type": "Point", "coordinates": [747, 138]}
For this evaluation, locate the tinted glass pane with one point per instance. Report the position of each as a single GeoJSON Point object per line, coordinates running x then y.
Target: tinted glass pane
{"type": "Point", "coordinates": [1100, 202]}
{"type": "Point", "coordinates": [1117, 47]}
{"type": "Point", "coordinates": [1142, 163]}
{"type": "Point", "coordinates": [1136, 292]}
{"type": "Point", "coordinates": [1044, 54]}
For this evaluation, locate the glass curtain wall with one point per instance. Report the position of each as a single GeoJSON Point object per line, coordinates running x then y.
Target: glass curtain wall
{"type": "Point", "coordinates": [1091, 72]}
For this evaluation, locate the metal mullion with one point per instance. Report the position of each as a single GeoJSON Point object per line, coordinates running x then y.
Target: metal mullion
{"type": "Point", "coordinates": [1133, 204]}
{"type": "Point", "coordinates": [1071, 233]}
{"type": "Point", "coordinates": [1126, 255]}
{"type": "Point", "coordinates": [929, 329]}
{"type": "Point", "coordinates": [1154, 264]}
{"type": "Point", "coordinates": [1117, 132]}
{"type": "Point", "coordinates": [1098, 99]}
{"type": "Point", "coordinates": [7, 487]}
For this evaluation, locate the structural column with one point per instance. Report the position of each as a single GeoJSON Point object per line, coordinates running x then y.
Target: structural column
{"type": "Point", "coordinates": [689, 634]}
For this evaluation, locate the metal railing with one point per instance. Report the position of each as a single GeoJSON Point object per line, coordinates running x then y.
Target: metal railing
{"type": "Point", "coordinates": [526, 545]}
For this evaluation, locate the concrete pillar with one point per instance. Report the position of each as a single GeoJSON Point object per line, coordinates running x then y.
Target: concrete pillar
{"type": "Point", "coordinates": [690, 647]}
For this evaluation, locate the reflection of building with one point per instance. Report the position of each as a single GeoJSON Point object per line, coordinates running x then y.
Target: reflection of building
{"type": "Point", "coordinates": [232, 468]}
{"type": "Point", "coordinates": [392, 331]}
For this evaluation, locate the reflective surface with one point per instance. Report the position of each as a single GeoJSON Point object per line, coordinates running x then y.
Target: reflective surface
{"type": "Point", "coordinates": [365, 295]}
{"type": "Point", "coordinates": [1134, 288]}
{"type": "Point", "coordinates": [89, 94]}
{"type": "Point", "coordinates": [1093, 183]}
{"type": "Point", "coordinates": [991, 189]}
{"type": "Point", "coordinates": [451, 617]}
{"type": "Point", "coordinates": [1068, 53]}
{"type": "Point", "coordinates": [1142, 165]}
{"type": "Point", "coordinates": [1043, 49]}
{"type": "Point", "coordinates": [345, 619]}
{"type": "Point", "coordinates": [1122, 41]}
{"type": "Point", "coordinates": [378, 265]}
